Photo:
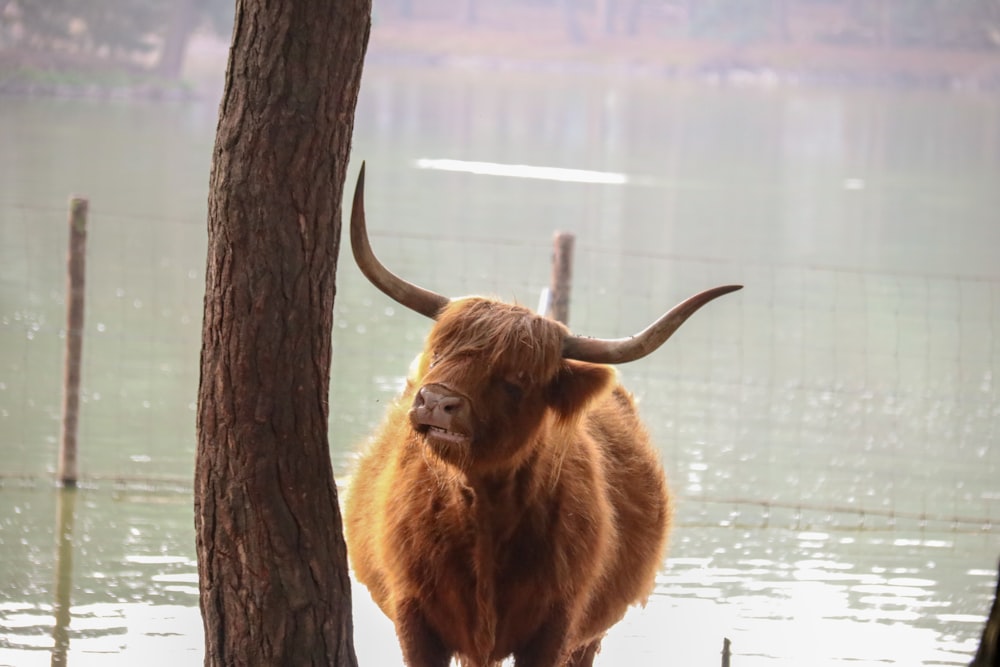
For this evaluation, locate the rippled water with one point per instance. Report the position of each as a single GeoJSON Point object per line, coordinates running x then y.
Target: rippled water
{"type": "Point", "coordinates": [788, 589]}
{"type": "Point", "coordinates": [831, 430]}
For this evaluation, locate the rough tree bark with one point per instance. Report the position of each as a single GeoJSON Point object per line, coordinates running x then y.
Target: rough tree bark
{"type": "Point", "coordinates": [272, 562]}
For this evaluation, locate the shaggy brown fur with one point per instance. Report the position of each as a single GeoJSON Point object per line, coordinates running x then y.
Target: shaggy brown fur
{"type": "Point", "coordinates": [531, 537]}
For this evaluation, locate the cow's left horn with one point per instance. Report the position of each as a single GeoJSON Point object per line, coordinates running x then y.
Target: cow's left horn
{"type": "Point", "coordinates": [622, 350]}
{"type": "Point", "coordinates": [413, 297]}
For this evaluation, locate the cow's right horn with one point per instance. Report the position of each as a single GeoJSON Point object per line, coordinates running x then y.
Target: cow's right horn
{"type": "Point", "coordinates": [413, 297]}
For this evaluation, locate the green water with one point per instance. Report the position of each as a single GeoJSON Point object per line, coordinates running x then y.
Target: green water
{"type": "Point", "coordinates": [831, 430]}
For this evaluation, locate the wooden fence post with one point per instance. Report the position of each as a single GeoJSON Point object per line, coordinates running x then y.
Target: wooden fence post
{"type": "Point", "coordinates": [76, 265]}
{"type": "Point", "coordinates": [562, 277]}
{"type": "Point", "coordinates": [726, 651]}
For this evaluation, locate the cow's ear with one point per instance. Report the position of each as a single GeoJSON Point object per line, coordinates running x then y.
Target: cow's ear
{"type": "Point", "coordinates": [576, 384]}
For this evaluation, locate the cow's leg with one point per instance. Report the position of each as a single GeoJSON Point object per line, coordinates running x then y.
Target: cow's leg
{"type": "Point", "coordinates": [422, 647]}
{"type": "Point", "coordinates": [584, 655]}
{"type": "Point", "coordinates": [546, 647]}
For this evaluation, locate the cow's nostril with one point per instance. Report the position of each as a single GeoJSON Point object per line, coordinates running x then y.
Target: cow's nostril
{"type": "Point", "coordinates": [437, 400]}
{"type": "Point", "coordinates": [450, 404]}
{"type": "Point", "coordinates": [418, 400]}
{"type": "Point", "coordinates": [433, 398]}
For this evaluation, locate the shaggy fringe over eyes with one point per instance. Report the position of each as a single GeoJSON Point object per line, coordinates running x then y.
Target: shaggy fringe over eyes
{"type": "Point", "coordinates": [505, 336]}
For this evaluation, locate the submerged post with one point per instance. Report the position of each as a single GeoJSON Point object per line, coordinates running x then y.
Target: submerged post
{"type": "Point", "coordinates": [988, 654]}
{"type": "Point", "coordinates": [65, 518]}
{"type": "Point", "coordinates": [562, 277]}
{"type": "Point", "coordinates": [76, 273]}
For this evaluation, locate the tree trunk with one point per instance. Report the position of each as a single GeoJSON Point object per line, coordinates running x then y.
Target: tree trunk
{"type": "Point", "coordinates": [272, 563]}
{"type": "Point", "coordinates": [779, 16]}
{"type": "Point", "coordinates": [572, 21]}
{"type": "Point", "coordinates": [175, 41]}
{"type": "Point", "coordinates": [470, 13]}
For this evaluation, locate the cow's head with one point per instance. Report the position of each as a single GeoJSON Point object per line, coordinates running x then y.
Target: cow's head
{"type": "Point", "coordinates": [492, 373]}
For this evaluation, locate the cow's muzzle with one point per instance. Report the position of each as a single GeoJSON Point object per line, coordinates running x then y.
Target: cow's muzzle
{"type": "Point", "coordinates": [439, 412]}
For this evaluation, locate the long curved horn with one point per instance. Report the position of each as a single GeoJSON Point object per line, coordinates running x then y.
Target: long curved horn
{"type": "Point", "coordinates": [415, 298]}
{"type": "Point", "coordinates": [622, 350]}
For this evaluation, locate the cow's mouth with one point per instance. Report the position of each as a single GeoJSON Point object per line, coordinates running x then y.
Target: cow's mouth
{"type": "Point", "coordinates": [449, 446]}
{"type": "Point", "coordinates": [439, 433]}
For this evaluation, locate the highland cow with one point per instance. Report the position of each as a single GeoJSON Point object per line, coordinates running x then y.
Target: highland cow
{"type": "Point", "coordinates": [511, 503]}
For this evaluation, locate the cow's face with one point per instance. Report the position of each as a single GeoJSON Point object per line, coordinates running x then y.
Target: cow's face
{"type": "Point", "coordinates": [491, 375]}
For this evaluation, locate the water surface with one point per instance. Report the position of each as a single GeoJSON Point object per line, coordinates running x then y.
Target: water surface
{"type": "Point", "coordinates": [831, 431]}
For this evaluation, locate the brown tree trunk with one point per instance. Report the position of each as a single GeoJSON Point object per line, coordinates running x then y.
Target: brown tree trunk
{"type": "Point", "coordinates": [272, 563]}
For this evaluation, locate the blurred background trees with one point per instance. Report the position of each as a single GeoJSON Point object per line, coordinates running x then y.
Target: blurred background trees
{"type": "Point", "coordinates": [945, 24]}
{"type": "Point", "coordinates": [153, 34]}
{"type": "Point", "coordinates": [959, 24]}
{"type": "Point", "coordinates": [150, 33]}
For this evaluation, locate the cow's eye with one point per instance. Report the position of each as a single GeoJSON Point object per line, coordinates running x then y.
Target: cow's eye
{"type": "Point", "coordinates": [513, 389]}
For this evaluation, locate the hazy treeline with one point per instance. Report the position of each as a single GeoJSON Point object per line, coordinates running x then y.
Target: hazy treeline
{"type": "Point", "coordinates": [157, 31]}
{"type": "Point", "coordinates": [961, 24]}
{"type": "Point", "coordinates": [912, 23]}
{"type": "Point", "coordinates": [112, 29]}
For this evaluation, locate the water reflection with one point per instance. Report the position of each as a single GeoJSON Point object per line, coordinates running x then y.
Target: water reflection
{"type": "Point", "coordinates": [123, 586]}
{"type": "Point", "coordinates": [524, 171]}
{"type": "Point", "coordinates": [828, 604]}
{"type": "Point", "coordinates": [65, 519]}
{"type": "Point", "coordinates": [106, 634]}
{"type": "Point", "coordinates": [790, 589]}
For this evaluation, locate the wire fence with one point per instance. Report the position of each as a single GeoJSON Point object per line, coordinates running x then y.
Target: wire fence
{"type": "Point", "coordinates": [864, 395]}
